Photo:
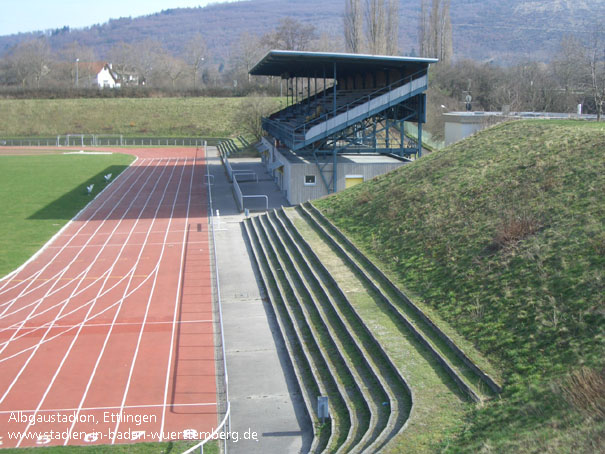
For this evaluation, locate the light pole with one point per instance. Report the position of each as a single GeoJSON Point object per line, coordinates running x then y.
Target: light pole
{"type": "Point", "coordinates": [77, 72]}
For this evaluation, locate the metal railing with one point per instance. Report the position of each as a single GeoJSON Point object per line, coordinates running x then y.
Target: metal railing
{"type": "Point", "coordinates": [276, 128]}
{"type": "Point", "coordinates": [96, 140]}
{"type": "Point", "coordinates": [226, 421]}
{"type": "Point", "coordinates": [239, 196]}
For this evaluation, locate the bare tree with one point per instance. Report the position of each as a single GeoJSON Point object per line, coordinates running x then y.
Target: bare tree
{"type": "Point", "coordinates": [435, 30]}
{"type": "Point", "coordinates": [424, 30]}
{"type": "Point", "coordinates": [196, 52]}
{"type": "Point", "coordinates": [173, 68]}
{"type": "Point", "coordinates": [83, 68]}
{"type": "Point", "coordinates": [596, 66]}
{"type": "Point", "coordinates": [392, 27]}
{"type": "Point", "coordinates": [376, 27]}
{"type": "Point", "coordinates": [290, 34]}
{"type": "Point", "coordinates": [31, 60]}
{"type": "Point", "coordinates": [353, 26]}
{"type": "Point", "coordinates": [245, 53]}
{"type": "Point", "coordinates": [251, 112]}
{"type": "Point", "coordinates": [446, 47]}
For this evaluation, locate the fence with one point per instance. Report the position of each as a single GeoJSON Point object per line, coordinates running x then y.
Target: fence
{"type": "Point", "coordinates": [96, 140]}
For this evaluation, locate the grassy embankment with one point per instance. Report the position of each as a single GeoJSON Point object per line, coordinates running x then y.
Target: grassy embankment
{"type": "Point", "coordinates": [190, 117]}
{"type": "Point", "coordinates": [501, 236]}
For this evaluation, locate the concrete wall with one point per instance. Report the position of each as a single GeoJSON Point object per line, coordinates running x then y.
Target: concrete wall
{"type": "Point", "coordinates": [455, 131]}
{"type": "Point", "coordinates": [292, 178]}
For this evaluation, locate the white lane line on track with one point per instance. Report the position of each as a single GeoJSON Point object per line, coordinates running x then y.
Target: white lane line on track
{"type": "Point", "coordinates": [173, 243]}
{"type": "Point", "coordinates": [58, 316]}
{"type": "Point", "coordinates": [57, 254]}
{"type": "Point", "coordinates": [136, 353]}
{"type": "Point", "coordinates": [75, 259]}
{"type": "Point", "coordinates": [109, 332]}
{"type": "Point", "coordinates": [31, 316]}
{"type": "Point", "coordinates": [126, 407]}
{"type": "Point", "coordinates": [93, 325]}
{"type": "Point", "coordinates": [176, 308]}
{"type": "Point", "coordinates": [122, 178]}
{"type": "Point", "coordinates": [98, 314]}
{"type": "Point", "coordinates": [66, 355]}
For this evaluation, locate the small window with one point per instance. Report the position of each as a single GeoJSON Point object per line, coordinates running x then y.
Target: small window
{"type": "Point", "coordinates": [309, 180]}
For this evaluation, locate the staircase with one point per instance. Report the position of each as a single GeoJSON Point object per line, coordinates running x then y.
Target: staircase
{"type": "Point", "coordinates": [334, 350]}
{"type": "Point", "coordinates": [326, 113]}
{"type": "Point", "coordinates": [337, 354]}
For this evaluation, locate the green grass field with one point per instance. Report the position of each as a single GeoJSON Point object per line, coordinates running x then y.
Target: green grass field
{"type": "Point", "coordinates": [40, 194]}
{"type": "Point", "coordinates": [502, 236]}
{"type": "Point", "coordinates": [195, 117]}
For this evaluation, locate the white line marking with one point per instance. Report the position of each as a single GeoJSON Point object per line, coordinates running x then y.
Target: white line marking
{"type": "Point", "coordinates": [122, 178]}
{"type": "Point", "coordinates": [136, 352]}
{"type": "Point", "coordinates": [176, 307]}
{"type": "Point", "coordinates": [94, 325]}
{"type": "Point", "coordinates": [101, 353]}
{"type": "Point", "coordinates": [58, 316]}
{"type": "Point", "coordinates": [126, 407]}
{"type": "Point", "coordinates": [75, 338]}
{"type": "Point", "coordinates": [63, 303]}
{"type": "Point", "coordinates": [56, 256]}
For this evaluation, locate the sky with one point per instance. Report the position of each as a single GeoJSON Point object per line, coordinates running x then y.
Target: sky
{"type": "Point", "coordinates": [31, 15]}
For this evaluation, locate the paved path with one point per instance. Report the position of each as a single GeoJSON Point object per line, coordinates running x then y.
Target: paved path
{"type": "Point", "coordinates": [262, 390]}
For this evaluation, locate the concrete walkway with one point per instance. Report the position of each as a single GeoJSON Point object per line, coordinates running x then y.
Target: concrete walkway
{"type": "Point", "coordinates": [262, 388]}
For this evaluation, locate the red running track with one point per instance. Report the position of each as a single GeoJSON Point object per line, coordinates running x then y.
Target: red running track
{"type": "Point", "coordinates": [107, 335]}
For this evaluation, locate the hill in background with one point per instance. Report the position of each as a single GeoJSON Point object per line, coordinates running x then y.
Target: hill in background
{"type": "Point", "coordinates": [483, 30]}
{"type": "Point", "coordinates": [501, 235]}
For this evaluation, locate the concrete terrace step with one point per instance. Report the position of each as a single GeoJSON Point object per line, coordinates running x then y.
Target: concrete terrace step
{"type": "Point", "coordinates": [369, 393]}
{"type": "Point", "coordinates": [392, 413]}
{"type": "Point", "coordinates": [326, 384]}
{"type": "Point", "coordinates": [467, 375]}
{"type": "Point", "coordinates": [326, 355]}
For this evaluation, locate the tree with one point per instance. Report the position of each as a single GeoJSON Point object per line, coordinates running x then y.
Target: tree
{"type": "Point", "coordinates": [353, 26]}
{"type": "Point", "coordinates": [580, 69]}
{"type": "Point", "coordinates": [172, 70]}
{"type": "Point", "coordinates": [378, 19]}
{"type": "Point", "coordinates": [392, 27]}
{"type": "Point", "coordinates": [596, 68]}
{"type": "Point", "coordinates": [196, 52]}
{"type": "Point", "coordinates": [245, 53]}
{"type": "Point", "coordinates": [251, 112]}
{"type": "Point", "coordinates": [435, 30]}
{"type": "Point", "coordinates": [290, 34]}
{"type": "Point", "coordinates": [376, 27]}
{"type": "Point", "coordinates": [83, 68]}
{"type": "Point", "coordinates": [31, 60]}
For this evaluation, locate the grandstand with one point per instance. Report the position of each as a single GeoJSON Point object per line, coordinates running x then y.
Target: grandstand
{"type": "Point", "coordinates": [341, 107]}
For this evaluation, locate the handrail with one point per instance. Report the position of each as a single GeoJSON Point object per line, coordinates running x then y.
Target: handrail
{"type": "Point", "coordinates": [273, 125]}
{"type": "Point", "coordinates": [227, 418]}
{"type": "Point", "coordinates": [368, 97]}
{"type": "Point", "coordinates": [240, 195]}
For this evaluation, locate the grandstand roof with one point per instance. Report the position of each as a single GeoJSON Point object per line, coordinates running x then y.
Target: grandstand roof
{"type": "Point", "coordinates": [287, 64]}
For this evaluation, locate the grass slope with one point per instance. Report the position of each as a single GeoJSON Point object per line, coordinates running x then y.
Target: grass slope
{"type": "Point", "coordinates": [40, 194]}
{"type": "Point", "coordinates": [204, 117]}
{"type": "Point", "coordinates": [502, 237]}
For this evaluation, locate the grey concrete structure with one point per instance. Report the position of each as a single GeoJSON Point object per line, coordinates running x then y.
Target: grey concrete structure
{"type": "Point", "coordinates": [300, 179]}
{"type": "Point", "coordinates": [265, 401]}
